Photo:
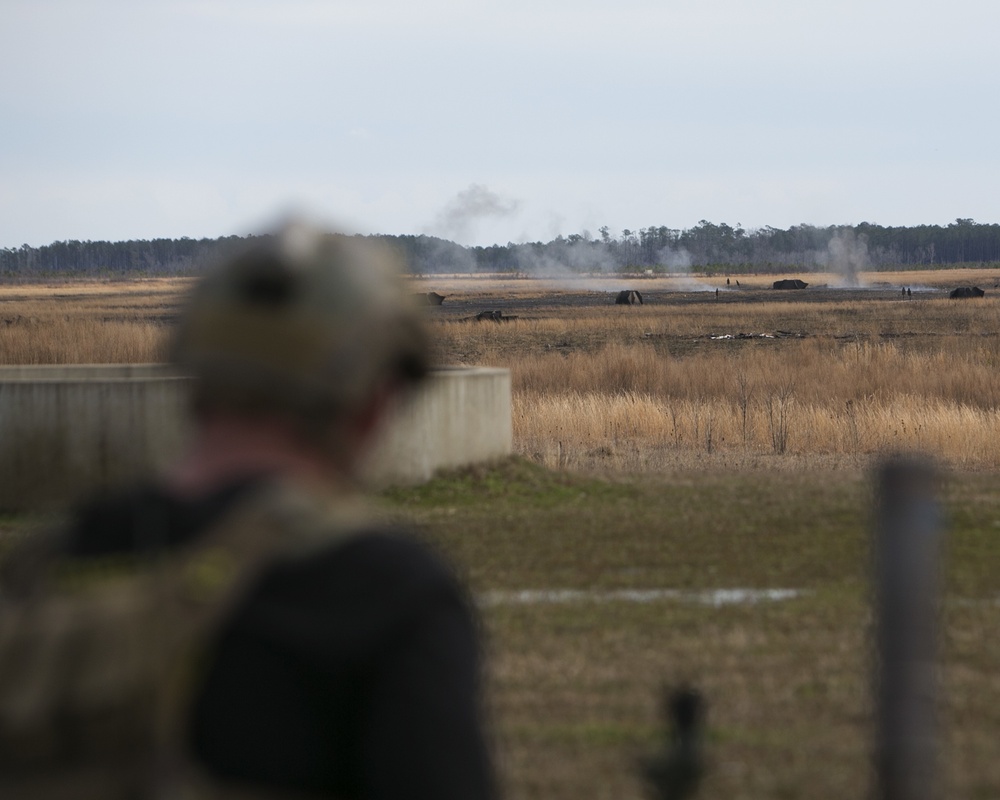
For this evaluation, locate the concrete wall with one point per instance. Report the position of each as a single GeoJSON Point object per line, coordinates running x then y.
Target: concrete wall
{"type": "Point", "coordinates": [65, 430]}
{"type": "Point", "coordinates": [459, 417]}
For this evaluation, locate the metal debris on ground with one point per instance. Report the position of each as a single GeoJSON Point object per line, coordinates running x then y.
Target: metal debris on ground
{"type": "Point", "coordinates": [775, 335]}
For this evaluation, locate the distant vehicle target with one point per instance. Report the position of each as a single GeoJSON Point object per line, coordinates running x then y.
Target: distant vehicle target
{"type": "Point", "coordinates": [966, 291]}
{"type": "Point", "coordinates": [628, 297]}
{"type": "Point", "coordinates": [790, 283]}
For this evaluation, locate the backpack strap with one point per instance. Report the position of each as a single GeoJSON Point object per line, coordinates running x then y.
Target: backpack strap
{"type": "Point", "coordinates": [98, 671]}
{"type": "Point", "coordinates": [279, 523]}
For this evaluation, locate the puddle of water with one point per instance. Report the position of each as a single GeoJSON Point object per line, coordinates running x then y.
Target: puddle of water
{"type": "Point", "coordinates": [710, 597]}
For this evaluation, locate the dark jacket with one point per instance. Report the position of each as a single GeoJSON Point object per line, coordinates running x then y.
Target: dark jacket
{"type": "Point", "coordinates": [353, 673]}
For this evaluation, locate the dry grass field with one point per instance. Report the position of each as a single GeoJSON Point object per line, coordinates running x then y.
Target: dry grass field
{"type": "Point", "coordinates": [745, 375]}
{"type": "Point", "coordinates": [728, 378]}
{"type": "Point", "coordinates": [88, 322]}
{"type": "Point", "coordinates": [702, 443]}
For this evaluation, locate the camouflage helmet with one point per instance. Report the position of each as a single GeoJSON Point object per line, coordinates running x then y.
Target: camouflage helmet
{"type": "Point", "coordinates": [302, 322]}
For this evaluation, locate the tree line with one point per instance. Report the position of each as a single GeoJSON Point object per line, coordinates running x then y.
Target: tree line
{"type": "Point", "coordinates": [109, 259]}
{"type": "Point", "coordinates": [705, 247]}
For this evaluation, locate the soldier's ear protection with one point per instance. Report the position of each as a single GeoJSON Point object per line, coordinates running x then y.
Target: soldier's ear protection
{"type": "Point", "coordinates": [268, 282]}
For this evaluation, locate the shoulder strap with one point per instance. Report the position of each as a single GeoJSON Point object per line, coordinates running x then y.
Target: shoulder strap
{"type": "Point", "coordinates": [111, 654]}
{"type": "Point", "coordinates": [279, 523]}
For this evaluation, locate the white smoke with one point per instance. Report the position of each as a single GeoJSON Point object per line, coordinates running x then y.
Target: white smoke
{"type": "Point", "coordinates": [846, 255]}
{"type": "Point", "coordinates": [677, 260]}
{"type": "Point", "coordinates": [458, 219]}
{"type": "Point", "coordinates": [564, 260]}
{"type": "Point", "coordinates": [446, 256]}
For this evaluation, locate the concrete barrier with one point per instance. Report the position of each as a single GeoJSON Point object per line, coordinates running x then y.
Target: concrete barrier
{"type": "Point", "coordinates": [460, 416]}
{"type": "Point", "coordinates": [66, 430]}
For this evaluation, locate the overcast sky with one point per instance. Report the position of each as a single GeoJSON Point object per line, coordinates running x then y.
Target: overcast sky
{"type": "Point", "coordinates": [487, 121]}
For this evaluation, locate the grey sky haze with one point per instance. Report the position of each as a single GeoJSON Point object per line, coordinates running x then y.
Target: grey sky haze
{"type": "Point", "coordinates": [492, 122]}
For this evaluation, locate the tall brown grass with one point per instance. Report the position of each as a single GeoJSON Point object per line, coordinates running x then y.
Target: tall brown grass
{"type": "Point", "coordinates": [657, 386]}
{"type": "Point", "coordinates": [674, 382]}
{"type": "Point", "coordinates": [92, 322]}
{"type": "Point", "coordinates": [82, 341]}
{"type": "Point", "coordinates": [614, 406]}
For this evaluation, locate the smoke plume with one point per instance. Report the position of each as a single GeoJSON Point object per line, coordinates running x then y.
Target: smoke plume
{"type": "Point", "coordinates": [677, 260]}
{"type": "Point", "coordinates": [846, 255]}
{"type": "Point", "coordinates": [565, 260]}
{"type": "Point", "coordinates": [457, 220]}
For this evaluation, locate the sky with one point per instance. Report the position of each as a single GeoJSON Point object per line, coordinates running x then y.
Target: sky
{"type": "Point", "coordinates": [492, 122]}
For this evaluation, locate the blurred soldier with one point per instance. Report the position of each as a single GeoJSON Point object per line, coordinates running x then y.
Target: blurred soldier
{"type": "Point", "coordinates": [296, 647]}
